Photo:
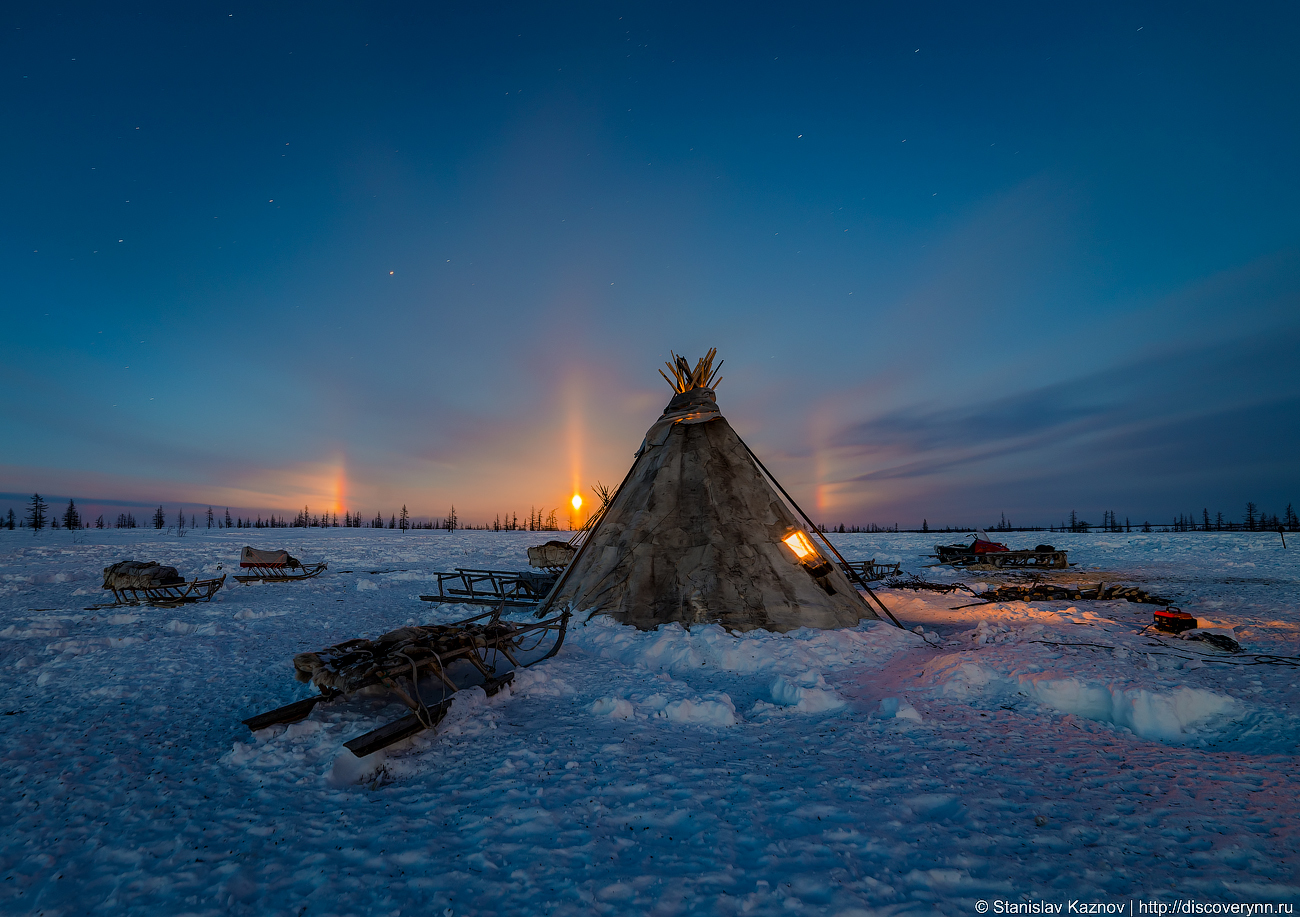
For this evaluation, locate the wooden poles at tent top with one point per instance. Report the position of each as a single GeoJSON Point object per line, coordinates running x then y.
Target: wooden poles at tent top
{"type": "Point", "coordinates": [702, 376]}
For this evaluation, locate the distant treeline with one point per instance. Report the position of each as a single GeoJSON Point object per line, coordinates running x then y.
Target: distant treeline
{"type": "Point", "coordinates": [37, 516]}
{"type": "Point", "coordinates": [1253, 520]}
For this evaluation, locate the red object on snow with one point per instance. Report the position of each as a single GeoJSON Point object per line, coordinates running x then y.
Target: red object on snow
{"type": "Point", "coordinates": [1174, 621]}
{"type": "Point", "coordinates": [988, 547]}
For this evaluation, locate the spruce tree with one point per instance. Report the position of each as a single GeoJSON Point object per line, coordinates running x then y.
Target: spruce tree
{"type": "Point", "coordinates": [36, 509]}
{"type": "Point", "coordinates": [71, 518]}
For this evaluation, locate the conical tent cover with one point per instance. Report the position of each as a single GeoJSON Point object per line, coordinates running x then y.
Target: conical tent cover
{"type": "Point", "coordinates": [697, 535]}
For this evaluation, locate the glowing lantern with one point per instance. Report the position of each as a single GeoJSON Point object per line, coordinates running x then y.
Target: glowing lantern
{"type": "Point", "coordinates": [799, 543]}
{"type": "Point", "coordinates": [577, 502]}
{"type": "Point", "coordinates": [803, 549]}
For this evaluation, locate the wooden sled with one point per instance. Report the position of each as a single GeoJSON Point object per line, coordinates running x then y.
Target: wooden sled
{"type": "Point", "coordinates": [169, 594]}
{"type": "Point", "coordinates": [1003, 560]}
{"type": "Point", "coordinates": [869, 570]}
{"type": "Point", "coordinates": [481, 651]}
{"type": "Point", "coordinates": [274, 567]}
{"type": "Point", "coordinates": [492, 587]}
{"type": "Point", "coordinates": [553, 556]}
{"type": "Point", "coordinates": [986, 554]}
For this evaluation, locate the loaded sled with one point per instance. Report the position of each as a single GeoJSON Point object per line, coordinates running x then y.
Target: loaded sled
{"type": "Point", "coordinates": [553, 556]}
{"type": "Point", "coordinates": [422, 667]}
{"type": "Point", "coordinates": [151, 583]}
{"type": "Point", "coordinates": [985, 552]}
{"type": "Point", "coordinates": [273, 567]}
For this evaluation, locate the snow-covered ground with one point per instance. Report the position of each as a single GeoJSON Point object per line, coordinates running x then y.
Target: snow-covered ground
{"type": "Point", "coordinates": [1011, 752]}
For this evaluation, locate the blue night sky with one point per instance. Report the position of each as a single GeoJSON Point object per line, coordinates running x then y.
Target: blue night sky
{"type": "Point", "coordinates": [960, 259]}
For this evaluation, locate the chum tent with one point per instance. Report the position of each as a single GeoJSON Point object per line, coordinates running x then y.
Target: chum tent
{"type": "Point", "coordinates": [697, 534]}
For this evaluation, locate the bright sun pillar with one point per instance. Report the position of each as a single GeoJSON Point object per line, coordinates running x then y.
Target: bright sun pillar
{"type": "Point", "coordinates": [577, 502]}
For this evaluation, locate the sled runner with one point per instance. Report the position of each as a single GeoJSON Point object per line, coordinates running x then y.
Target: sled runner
{"type": "Point", "coordinates": [135, 582]}
{"type": "Point", "coordinates": [422, 667]}
{"type": "Point", "coordinates": [274, 567]}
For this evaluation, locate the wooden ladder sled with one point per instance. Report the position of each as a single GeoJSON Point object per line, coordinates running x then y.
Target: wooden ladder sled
{"type": "Point", "coordinates": [492, 587]}
{"type": "Point", "coordinates": [482, 651]}
{"type": "Point", "coordinates": [869, 570]}
{"type": "Point", "coordinates": [274, 567]}
{"type": "Point", "coordinates": [151, 583]}
{"type": "Point", "coordinates": [170, 594]}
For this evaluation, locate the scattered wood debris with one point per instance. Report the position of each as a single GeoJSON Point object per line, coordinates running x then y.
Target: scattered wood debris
{"type": "Point", "coordinates": [1054, 592]}
{"type": "Point", "coordinates": [916, 584]}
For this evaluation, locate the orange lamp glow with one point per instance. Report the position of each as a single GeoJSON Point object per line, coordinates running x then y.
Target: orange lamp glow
{"type": "Point", "coordinates": [577, 502]}
{"type": "Point", "coordinates": [799, 543]}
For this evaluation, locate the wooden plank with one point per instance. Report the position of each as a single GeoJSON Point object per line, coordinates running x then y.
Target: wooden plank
{"type": "Point", "coordinates": [395, 731]}
{"type": "Point", "coordinates": [410, 724]}
{"type": "Point", "coordinates": [289, 713]}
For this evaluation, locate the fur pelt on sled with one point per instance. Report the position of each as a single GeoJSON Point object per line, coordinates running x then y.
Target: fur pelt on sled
{"type": "Point", "coordinates": [353, 664]}
{"type": "Point", "coordinates": [133, 574]}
